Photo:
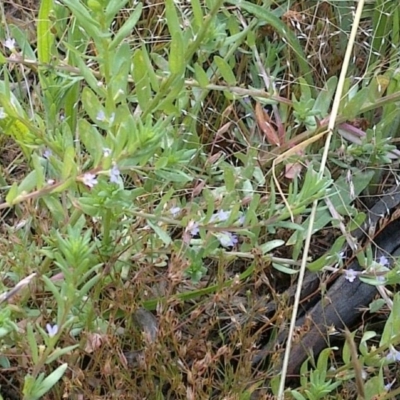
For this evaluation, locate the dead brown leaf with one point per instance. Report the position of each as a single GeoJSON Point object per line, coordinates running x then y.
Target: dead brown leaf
{"type": "Point", "coordinates": [265, 125]}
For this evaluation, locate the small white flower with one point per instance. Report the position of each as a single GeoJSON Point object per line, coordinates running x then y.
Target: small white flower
{"type": "Point", "coordinates": [2, 113]}
{"type": "Point", "coordinates": [106, 152]}
{"type": "Point", "coordinates": [89, 179]}
{"type": "Point", "coordinates": [175, 211]}
{"type": "Point", "coordinates": [220, 216]}
{"type": "Point", "coordinates": [10, 43]}
{"type": "Point", "coordinates": [52, 330]}
{"type": "Point", "coordinates": [350, 275]}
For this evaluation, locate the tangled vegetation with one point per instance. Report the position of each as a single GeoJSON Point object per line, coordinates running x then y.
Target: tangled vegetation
{"type": "Point", "coordinates": [160, 162]}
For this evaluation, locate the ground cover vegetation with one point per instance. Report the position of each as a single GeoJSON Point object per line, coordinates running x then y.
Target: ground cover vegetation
{"type": "Point", "coordinates": [158, 168]}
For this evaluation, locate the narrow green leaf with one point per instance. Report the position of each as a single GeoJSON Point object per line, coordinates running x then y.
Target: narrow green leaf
{"type": "Point", "coordinates": [225, 70]}
{"type": "Point", "coordinates": [57, 353]}
{"type": "Point", "coordinates": [172, 18]}
{"type": "Point", "coordinates": [69, 164]}
{"type": "Point", "coordinates": [127, 27]}
{"type": "Point", "coordinates": [392, 326]}
{"type": "Point", "coordinates": [272, 244]}
{"type": "Point", "coordinates": [229, 179]}
{"type": "Point", "coordinates": [163, 235]}
{"type": "Point", "coordinates": [39, 170]}
{"type": "Point", "coordinates": [70, 109]}
{"type": "Point", "coordinates": [177, 55]}
{"type": "Point", "coordinates": [32, 343]}
{"type": "Point", "coordinates": [340, 198]}
{"type": "Point", "coordinates": [86, 72]}
{"type": "Point", "coordinates": [50, 381]}
{"type": "Point", "coordinates": [44, 36]}
{"type": "Point", "coordinates": [120, 73]}
{"type": "Point", "coordinates": [201, 76]}
{"type": "Point", "coordinates": [155, 84]}
{"type": "Point", "coordinates": [353, 106]}
{"type": "Point", "coordinates": [12, 194]}
{"type": "Point", "coordinates": [325, 96]}
{"type": "Point", "coordinates": [113, 8]}
{"type": "Point", "coordinates": [141, 79]}
{"type": "Point", "coordinates": [92, 140]}
{"type": "Point", "coordinates": [197, 13]}
{"type": "Point", "coordinates": [80, 12]}
{"type": "Point", "coordinates": [94, 108]}
{"type": "Point", "coordinates": [285, 269]}
{"type": "Point", "coordinates": [22, 38]}
{"type": "Point", "coordinates": [28, 183]}
{"type": "Point", "coordinates": [267, 15]}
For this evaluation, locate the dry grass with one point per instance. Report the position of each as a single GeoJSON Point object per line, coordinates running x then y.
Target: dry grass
{"type": "Point", "coordinates": [192, 344]}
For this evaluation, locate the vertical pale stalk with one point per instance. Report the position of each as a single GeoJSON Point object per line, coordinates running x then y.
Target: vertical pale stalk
{"type": "Point", "coordinates": [331, 125]}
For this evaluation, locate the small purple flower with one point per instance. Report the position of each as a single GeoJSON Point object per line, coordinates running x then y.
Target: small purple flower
{"type": "Point", "coordinates": [193, 228]}
{"type": "Point", "coordinates": [350, 275]}
{"type": "Point", "coordinates": [241, 220]}
{"type": "Point", "coordinates": [383, 261]}
{"type": "Point", "coordinates": [175, 211]}
{"type": "Point", "coordinates": [47, 153]}
{"type": "Point", "coordinates": [393, 354]}
{"type": "Point", "coordinates": [389, 385]}
{"type": "Point", "coordinates": [52, 330]}
{"type": "Point", "coordinates": [89, 179]}
{"type": "Point", "coordinates": [220, 216]}
{"type": "Point", "coordinates": [227, 239]}
{"type": "Point", "coordinates": [114, 174]}
{"type": "Point", "coordinates": [101, 116]}
{"type": "Point", "coordinates": [381, 279]}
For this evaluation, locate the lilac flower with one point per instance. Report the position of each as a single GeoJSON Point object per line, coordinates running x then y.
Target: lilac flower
{"type": "Point", "coordinates": [393, 354]}
{"type": "Point", "coordinates": [381, 279]}
{"type": "Point", "coordinates": [175, 211]}
{"type": "Point", "coordinates": [383, 261]}
{"type": "Point", "coordinates": [2, 113]}
{"type": "Point", "coordinates": [47, 153]}
{"type": "Point", "coordinates": [220, 216]}
{"type": "Point", "coordinates": [89, 179]}
{"type": "Point", "coordinates": [227, 239]}
{"type": "Point", "coordinates": [389, 385]}
{"type": "Point", "coordinates": [241, 220]}
{"type": "Point", "coordinates": [193, 228]}
{"type": "Point", "coordinates": [52, 330]}
{"type": "Point", "coordinates": [350, 275]}
{"type": "Point", "coordinates": [101, 116]}
{"type": "Point", "coordinates": [10, 43]}
{"type": "Point", "coordinates": [114, 174]}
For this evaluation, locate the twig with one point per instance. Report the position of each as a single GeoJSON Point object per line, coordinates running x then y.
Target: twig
{"type": "Point", "coordinates": [331, 125]}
